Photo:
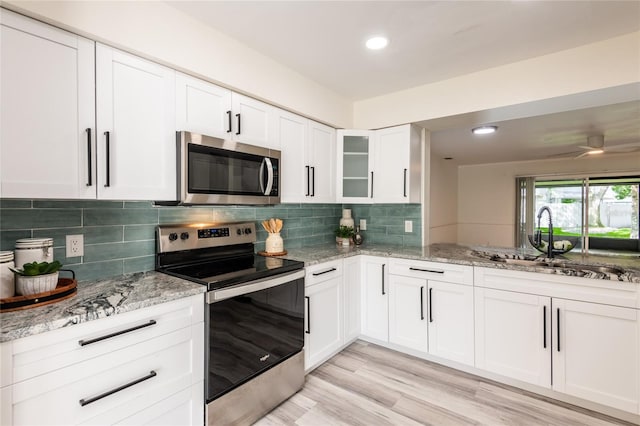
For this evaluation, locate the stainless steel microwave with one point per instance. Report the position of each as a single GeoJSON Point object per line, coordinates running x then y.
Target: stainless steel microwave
{"type": "Point", "coordinates": [218, 171]}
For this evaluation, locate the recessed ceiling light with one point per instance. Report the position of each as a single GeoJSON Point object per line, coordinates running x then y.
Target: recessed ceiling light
{"type": "Point", "coordinates": [595, 151]}
{"type": "Point", "coordinates": [484, 130]}
{"type": "Point", "coordinates": [377, 43]}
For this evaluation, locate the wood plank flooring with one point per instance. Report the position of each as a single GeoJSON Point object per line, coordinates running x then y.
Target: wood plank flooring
{"type": "Point", "coordinates": [369, 385]}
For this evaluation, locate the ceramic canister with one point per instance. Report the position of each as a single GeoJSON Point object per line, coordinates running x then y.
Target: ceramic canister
{"type": "Point", "coordinates": [30, 250]}
{"type": "Point", "coordinates": [7, 283]}
{"type": "Point", "coordinates": [346, 219]}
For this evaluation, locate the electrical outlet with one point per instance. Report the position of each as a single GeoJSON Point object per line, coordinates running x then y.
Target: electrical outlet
{"type": "Point", "coordinates": [363, 224]}
{"type": "Point", "coordinates": [75, 245]}
{"type": "Point", "coordinates": [408, 226]}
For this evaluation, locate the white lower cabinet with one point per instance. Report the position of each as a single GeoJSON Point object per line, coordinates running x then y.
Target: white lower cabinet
{"type": "Point", "coordinates": [513, 335]}
{"type": "Point", "coordinates": [139, 367]}
{"type": "Point", "coordinates": [375, 300]}
{"type": "Point", "coordinates": [407, 320]}
{"type": "Point", "coordinates": [451, 321]}
{"type": "Point", "coordinates": [596, 353]}
{"type": "Point", "coordinates": [352, 311]}
{"type": "Point", "coordinates": [582, 348]}
{"type": "Point", "coordinates": [323, 312]}
{"type": "Point", "coordinates": [431, 316]}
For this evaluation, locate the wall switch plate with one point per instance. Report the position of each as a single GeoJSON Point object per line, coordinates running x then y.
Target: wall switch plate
{"type": "Point", "coordinates": [363, 224]}
{"type": "Point", "coordinates": [75, 245]}
{"type": "Point", "coordinates": [408, 226]}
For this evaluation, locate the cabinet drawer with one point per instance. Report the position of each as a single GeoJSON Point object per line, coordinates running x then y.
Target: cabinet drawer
{"type": "Point", "coordinates": [155, 369]}
{"type": "Point", "coordinates": [447, 272]}
{"type": "Point", "coordinates": [39, 354]}
{"type": "Point", "coordinates": [323, 272]}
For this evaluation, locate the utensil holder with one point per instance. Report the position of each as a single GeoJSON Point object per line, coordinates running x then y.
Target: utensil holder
{"type": "Point", "coordinates": [274, 243]}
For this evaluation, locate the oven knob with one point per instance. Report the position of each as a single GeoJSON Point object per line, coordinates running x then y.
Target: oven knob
{"type": "Point", "coordinates": [239, 231]}
{"type": "Point", "coordinates": [247, 230]}
{"type": "Point", "coordinates": [173, 236]}
{"type": "Point", "coordinates": [184, 236]}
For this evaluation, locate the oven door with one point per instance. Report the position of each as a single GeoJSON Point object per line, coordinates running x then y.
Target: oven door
{"type": "Point", "coordinates": [253, 327]}
{"type": "Point", "coordinates": [215, 171]}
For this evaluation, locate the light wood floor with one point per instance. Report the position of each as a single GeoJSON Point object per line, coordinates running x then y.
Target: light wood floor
{"type": "Point", "coordinates": [369, 385]}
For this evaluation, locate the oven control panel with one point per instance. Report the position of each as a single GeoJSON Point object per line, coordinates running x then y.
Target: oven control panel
{"type": "Point", "coordinates": [213, 232]}
{"type": "Point", "coordinates": [189, 237]}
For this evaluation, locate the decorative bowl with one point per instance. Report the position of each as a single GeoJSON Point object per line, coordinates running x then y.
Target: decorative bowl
{"type": "Point", "coordinates": [27, 285]}
{"type": "Point", "coordinates": [561, 244]}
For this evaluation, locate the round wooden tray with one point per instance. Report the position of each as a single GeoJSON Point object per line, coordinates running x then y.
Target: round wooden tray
{"type": "Point", "coordinates": [264, 253]}
{"type": "Point", "coordinates": [66, 288]}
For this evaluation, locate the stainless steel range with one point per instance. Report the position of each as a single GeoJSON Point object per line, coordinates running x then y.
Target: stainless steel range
{"type": "Point", "coordinates": [254, 316]}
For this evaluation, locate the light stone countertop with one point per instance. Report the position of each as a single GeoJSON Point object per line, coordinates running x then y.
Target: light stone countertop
{"type": "Point", "coordinates": [473, 256]}
{"type": "Point", "coordinates": [95, 300]}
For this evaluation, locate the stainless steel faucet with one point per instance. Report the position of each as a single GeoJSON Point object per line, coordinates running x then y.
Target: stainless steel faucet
{"type": "Point", "coordinates": [539, 233]}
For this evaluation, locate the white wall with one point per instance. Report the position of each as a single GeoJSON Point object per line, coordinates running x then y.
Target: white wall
{"type": "Point", "coordinates": [487, 193]}
{"type": "Point", "coordinates": [443, 225]}
{"type": "Point", "coordinates": [606, 64]}
{"type": "Point", "coordinates": [159, 32]}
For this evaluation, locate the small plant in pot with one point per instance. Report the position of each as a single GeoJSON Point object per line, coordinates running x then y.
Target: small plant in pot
{"type": "Point", "coordinates": [36, 277]}
{"type": "Point", "coordinates": [344, 235]}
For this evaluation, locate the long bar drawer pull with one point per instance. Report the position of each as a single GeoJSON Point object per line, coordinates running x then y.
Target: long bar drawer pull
{"type": "Point", "coordinates": [308, 300]}
{"type": "Point", "coordinates": [88, 401]}
{"type": "Point", "coordinates": [117, 333]}
{"type": "Point", "coordinates": [315, 274]}
{"type": "Point", "coordinates": [433, 271]}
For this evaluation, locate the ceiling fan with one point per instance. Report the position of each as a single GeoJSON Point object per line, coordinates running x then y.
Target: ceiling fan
{"type": "Point", "coordinates": [595, 146]}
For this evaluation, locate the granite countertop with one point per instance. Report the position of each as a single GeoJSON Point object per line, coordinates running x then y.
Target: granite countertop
{"type": "Point", "coordinates": [95, 300]}
{"type": "Point", "coordinates": [474, 256]}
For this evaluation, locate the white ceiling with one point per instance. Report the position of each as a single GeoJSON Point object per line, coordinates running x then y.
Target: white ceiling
{"type": "Point", "coordinates": [431, 41]}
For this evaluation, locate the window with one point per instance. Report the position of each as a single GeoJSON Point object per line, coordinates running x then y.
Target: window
{"type": "Point", "coordinates": [602, 211]}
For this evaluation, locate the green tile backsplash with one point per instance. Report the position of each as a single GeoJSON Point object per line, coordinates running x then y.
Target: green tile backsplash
{"type": "Point", "coordinates": [119, 236]}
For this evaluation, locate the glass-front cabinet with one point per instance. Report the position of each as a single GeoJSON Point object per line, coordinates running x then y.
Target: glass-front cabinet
{"type": "Point", "coordinates": [355, 165]}
{"type": "Point", "coordinates": [379, 166]}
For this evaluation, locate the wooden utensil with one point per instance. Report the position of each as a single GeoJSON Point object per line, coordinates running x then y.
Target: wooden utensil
{"type": "Point", "coordinates": [272, 225]}
{"type": "Point", "coordinates": [278, 225]}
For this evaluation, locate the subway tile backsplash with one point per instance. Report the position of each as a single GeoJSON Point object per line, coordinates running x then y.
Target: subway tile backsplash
{"type": "Point", "coordinates": [119, 236]}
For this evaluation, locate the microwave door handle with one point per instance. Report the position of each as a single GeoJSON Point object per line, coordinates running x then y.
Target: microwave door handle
{"type": "Point", "coordinates": [267, 190]}
{"type": "Point", "coordinates": [261, 175]}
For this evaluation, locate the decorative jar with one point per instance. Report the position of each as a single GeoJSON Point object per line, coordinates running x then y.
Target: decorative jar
{"type": "Point", "coordinates": [274, 243]}
{"type": "Point", "coordinates": [7, 283]}
{"type": "Point", "coordinates": [346, 219]}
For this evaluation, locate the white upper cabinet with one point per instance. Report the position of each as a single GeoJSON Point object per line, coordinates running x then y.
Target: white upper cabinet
{"type": "Point", "coordinates": [308, 152]}
{"type": "Point", "coordinates": [354, 166]}
{"type": "Point", "coordinates": [253, 122]}
{"type": "Point", "coordinates": [397, 165]}
{"type": "Point", "coordinates": [321, 154]}
{"type": "Point", "coordinates": [381, 166]}
{"type": "Point", "coordinates": [136, 127]}
{"type": "Point", "coordinates": [202, 107]}
{"type": "Point", "coordinates": [47, 133]}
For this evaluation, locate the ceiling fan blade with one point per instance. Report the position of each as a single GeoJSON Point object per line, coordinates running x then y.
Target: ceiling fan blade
{"type": "Point", "coordinates": [627, 147]}
{"type": "Point", "coordinates": [588, 148]}
{"type": "Point", "coordinates": [584, 154]}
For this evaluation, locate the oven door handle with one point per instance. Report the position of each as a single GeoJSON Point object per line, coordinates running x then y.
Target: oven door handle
{"type": "Point", "coordinates": [241, 289]}
{"type": "Point", "coordinates": [266, 189]}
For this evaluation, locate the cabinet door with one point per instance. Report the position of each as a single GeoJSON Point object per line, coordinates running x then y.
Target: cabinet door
{"type": "Point", "coordinates": [351, 284]}
{"type": "Point", "coordinates": [321, 154]}
{"type": "Point", "coordinates": [202, 107]}
{"type": "Point", "coordinates": [513, 332]}
{"type": "Point", "coordinates": [407, 312]}
{"type": "Point", "coordinates": [136, 127]}
{"type": "Point", "coordinates": [451, 321]}
{"type": "Point", "coordinates": [596, 353]}
{"type": "Point", "coordinates": [324, 321]}
{"type": "Point", "coordinates": [375, 302]}
{"type": "Point", "coordinates": [47, 117]}
{"type": "Point", "coordinates": [391, 165]}
{"type": "Point", "coordinates": [292, 133]}
{"type": "Point", "coordinates": [253, 122]}
{"type": "Point", "coordinates": [354, 165]}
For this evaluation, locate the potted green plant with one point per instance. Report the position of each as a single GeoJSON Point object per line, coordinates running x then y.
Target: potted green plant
{"type": "Point", "coordinates": [36, 277]}
{"type": "Point", "coordinates": [344, 235]}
